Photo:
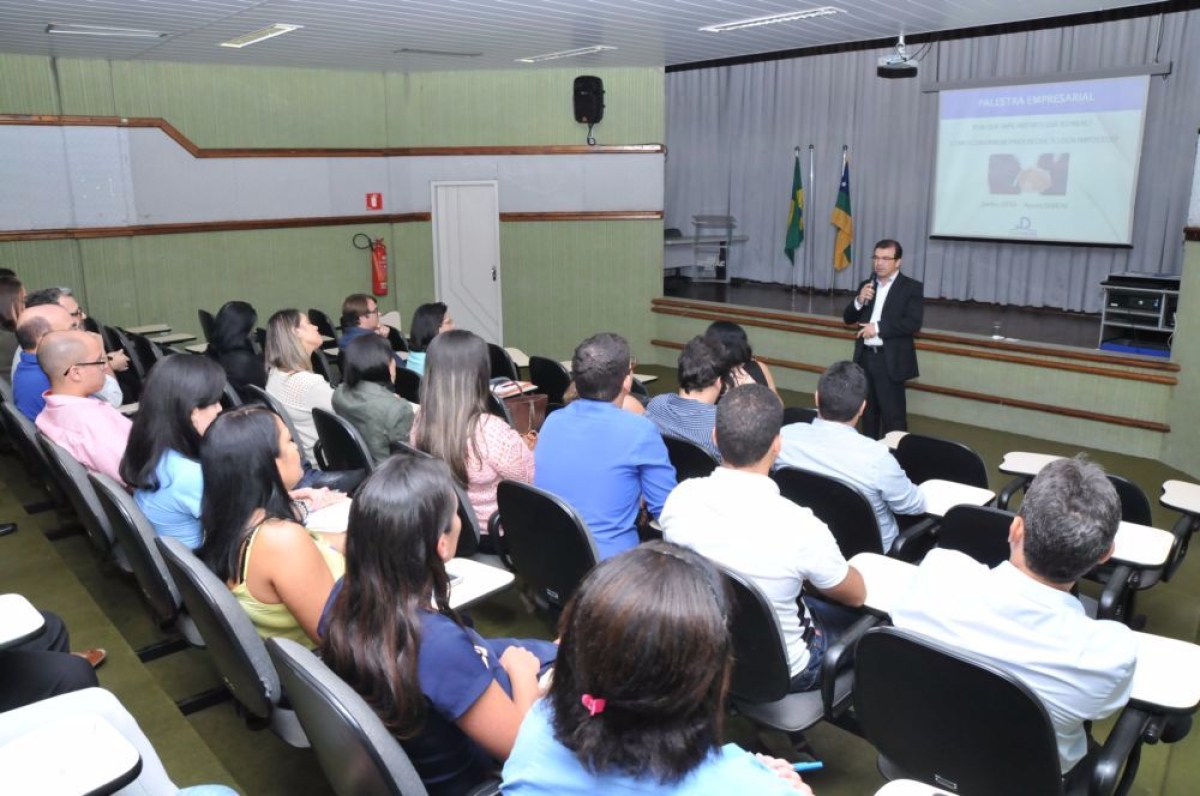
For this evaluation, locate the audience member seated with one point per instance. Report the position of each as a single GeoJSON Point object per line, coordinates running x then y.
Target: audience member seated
{"type": "Point", "coordinates": [692, 413]}
{"type": "Point", "coordinates": [454, 424]}
{"type": "Point", "coordinates": [29, 381]}
{"type": "Point", "coordinates": [453, 698]}
{"type": "Point", "coordinates": [1023, 618]}
{"type": "Point", "coordinates": [180, 400]}
{"type": "Point", "coordinates": [428, 322]}
{"type": "Point", "coordinates": [367, 396]}
{"type": "Point", "coordinates": [12, 302]}
{"type": "Point", "coordinates": [117, 360]}
{"type": "Point", "coordinates": [737, 517]}
{"type": "Point", "coordinates": [832, 446]}
{"type": "Point", "coordinates": [89, 429]}
{"type": "Point", "coordinates": [740, 365]}
{"type": "Point", "coordinates": [278, 570]}
{"type": "Point", "coordinates": [360, 317]}
{"type": "Point", "coordinates": [638, 695]}
{"type": "Point", "coordinates": [43, 666]}
{"type": "Point", "coordinates": [291, 341]}
{"type": "Point", "coordinates": [600, 459]}
{"type": "Point", "coordinates": [232, 346]}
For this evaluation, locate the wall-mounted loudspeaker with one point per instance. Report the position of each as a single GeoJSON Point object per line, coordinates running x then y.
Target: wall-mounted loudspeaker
{"type": "Point", "coordinates": [589, 99]}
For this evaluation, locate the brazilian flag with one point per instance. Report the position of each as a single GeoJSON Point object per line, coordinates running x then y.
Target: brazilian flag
{"type": "Point", "coordinates": [843, 220]}
{"type": "Point", "coordinates": [795, 222]}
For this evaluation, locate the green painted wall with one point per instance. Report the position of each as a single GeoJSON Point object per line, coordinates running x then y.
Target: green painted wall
{"type": "Point", "coordinates": [1182, 447]}
{"type": "Point", "coordinates": [562, 280]}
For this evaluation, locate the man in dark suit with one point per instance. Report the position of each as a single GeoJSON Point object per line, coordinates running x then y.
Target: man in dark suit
{"type": "Point", "coordinates": [888, 311]}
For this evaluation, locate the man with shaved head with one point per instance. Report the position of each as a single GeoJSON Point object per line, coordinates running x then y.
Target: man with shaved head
{"type": "Point", "coordinates": [89, 429]}
{"type": "Point", "coordinates": [29, 382]}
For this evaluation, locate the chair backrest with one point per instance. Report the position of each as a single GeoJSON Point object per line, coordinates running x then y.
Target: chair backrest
{"type": "Point", "coordinates": [550, 377]}
{"type": "Point", "coordinates": [468, 538]}
{"type": "Point", "coordinates": [951, 720]}
{"type": "Point", "coordinates": [408, 385]}
{"type": "Point", "coordinates": [230, 399]}
{"type": "Point", "coordinates": [278, 408]}
{"type": "Point", "coordinates": [499, 408]}
{"type": "Point", "coordinates": [207, 321]}
{"type": "Point", "coordinates": [73, 479]}
{"type": "Point", "coordinates": [147, 351]}
{"type": "Point", "coordinates": [132, 377]}
{"type": "Point", "coordinates": [548, 542]}
{"type": "Point", "coordinates": [761, 671]}
{"type": "Point", "coordinates": [925, 458]}
{"type": "Point", "coordinates": [1135, 506]}
{"type": "Point", "coordinates": [638, 390]}
{"type": "Point", "coordinates": [343, 446]}
{"type": "Point", "coordinates": [979, 531]}
{"type": "Point", "coordinates": [358, 754]}
{"type": "Point", "coordinates": [323, 323]}
{"type": "Point", "coordinates": [324, 368]}
{"type": "Point", "coordinates": [688, 458]}
{"type": "Point", "coordinates": [136, 536]}
{"type": "Point", "coordinates": [237, 650]}
{"type": "Point", "coordinates": [398, 446]}
{"type": "Point", "coordinates": [502, 364]}
{"type": "Point", "coordinates": [396, 339]}
{"type": "Point", "coordinates": [849, 516]}
{"type": "Point", "coordinates": [798, 414]}
{"type": "Point", "coordinates": [25, 436]}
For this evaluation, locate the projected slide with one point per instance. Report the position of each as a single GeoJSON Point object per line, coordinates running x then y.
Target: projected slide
{"type": "Point", "coordinates": [1046, 161]}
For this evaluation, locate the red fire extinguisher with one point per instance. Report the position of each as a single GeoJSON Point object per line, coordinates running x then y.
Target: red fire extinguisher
{"type": "Point", "coordinates": [379, 262]}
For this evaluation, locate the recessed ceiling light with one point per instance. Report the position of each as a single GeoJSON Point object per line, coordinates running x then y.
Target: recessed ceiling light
{"type": "Point", "coordinates": [794, 16]}
{"type": "Point", "coordinates": [534, 59]}
{"type": "Point", "coordinates": [101, 30]}
{"type": "Point", "coordinates": [446, 53]}
{"type": "Point", "coordinates": [269, 32]}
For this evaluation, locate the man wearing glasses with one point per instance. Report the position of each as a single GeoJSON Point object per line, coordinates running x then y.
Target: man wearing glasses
{"type": "Point", "coordinates": [888, 310]}
{"type": "Point", "coordinates": [117, 360]}
{"type": "Point", "coordinates": [360, 316]}
{"type": "Point", "coordinates": [29, 382]}
{"type": "Point", "coordinates": [86, 427]}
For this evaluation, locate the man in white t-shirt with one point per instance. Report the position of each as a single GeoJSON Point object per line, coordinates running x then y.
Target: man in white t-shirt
{"type": "Point", "coordinates": [1022, 617]}
{"type": "Point", "coordinates": [737, 518]}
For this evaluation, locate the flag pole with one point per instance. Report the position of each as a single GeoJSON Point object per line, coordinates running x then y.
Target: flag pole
{"type": "Point", "coordinates": [795, 276]}
{"type": "Point", "coordinates": [808, 261]}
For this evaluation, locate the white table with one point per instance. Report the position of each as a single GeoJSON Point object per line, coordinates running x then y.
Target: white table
{"type": "Point", "coordinates": [1181, 496]}
{"type": "Point", "coordinates": [73, 755]}
{"type": "Point", "coordinates": [19, 620]}
{"type": "Point", "coordinates": [150, 328]}
{"type": "Point", "coordinates": [170, 339]}
{"type": "Point", "coordinates": [198, 348]}
{"type": "Point", "coordinates": [1024, 463]}
{"type": "Point", "coordinates": [1142, 546]}
{"type": "Point", "coordinates": [941, 496]}
{"type": "Point", "coordinates": [471, 581]}
{"type": "Point", "coordinates": [391, 319]}
{"type": "Point", "coordinates": [909, 787]}
{"type": "Point", "coordinates": [892, 438]}
{"type": "Point", "coordinates": [519, 357]}
{"type": "Point", "coordinates": [128, 409]}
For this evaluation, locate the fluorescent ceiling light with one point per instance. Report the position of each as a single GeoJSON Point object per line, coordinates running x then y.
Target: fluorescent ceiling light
{"type": "Point", "coordinates": [446, 53]}
{"type": "Point", "coordinates": [534, 59]}
{"type": "Point", "coordinates": [269, 32]}
{"type": "Point", "coordinates": [793, 16]}
{"type": "Point", "coordinates": [101, 30]}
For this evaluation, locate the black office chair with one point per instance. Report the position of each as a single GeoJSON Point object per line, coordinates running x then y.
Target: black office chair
{"type": "Point", "coordinates": [546, 540]}
{"type": "Point", "coordinates": [759, 686]}
{"type": "Point", "coordinates": [271, 402]}
{"type": "Point", "coordinates": [132, 378]}
{"type": "Point", "coordinates": [324, 368]}
{"type": "Point", "coordinates": [408, 385]}
{"type": "Point", "coordinates": [342, 447]}
{"type": "Point", "coordinates": [849, 516]}
{"type": "Point", "coordinates": [73, 480]}
{"type": "Point", "coordinates": [207, 322]}
{"type": "Point", "coordinates": [925, 458]}
{"type": "Point", "coordinates": [958, 723]}
{"type": "Point", "coordinates": [402, 448]}
{"type": "Point", "coordinates": [499, 408]}
{"type": "Point", "coordinates": [24, 436]}
{"type": "Point", "coordinates": [639, 391]}
{"type": "Point", "coordinates": [798, 414]}
{"type": "Point", "coordinates": [689, 459]}
{"type": "Point", "coordinates": [1122, 582]}
{"type": "Point", "coordinates": [550, 377]}
{"type": "Point", "coordinates": [325, 326]}
{"type": "Point", "coordinates": [236, 648]}
{"type": "Point", "coordinates": [396, 340]}
{"type": "Point", "coordinates": [148, 352]}
{"type": "Point", "coordinates": [502, 364]}
{"type": "Point", "coordinates": [979, 531]}
{"type": "Point", "coordinates": [1135, 506]}
{"type": "Point", "coordinates": [230, 397]}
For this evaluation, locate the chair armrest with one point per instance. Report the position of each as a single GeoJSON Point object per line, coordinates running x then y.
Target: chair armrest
{"type": "Point", "coordinates": [913, 543]}
{"type": "Point", "coordinates": [1122, 749]}
{"type": "Point", "coordinates": [1011, 488]}
{"type": "Point", "coordinates": [1183, 529]}
{"type": "Point", "coordinates": [1112, 598]}
{"type": "Point", "coordinates": [838, 656]}
{"type": "Point", "coordinates": [319, 455]}
{"type": "Point", "coordinates": [493, 526]}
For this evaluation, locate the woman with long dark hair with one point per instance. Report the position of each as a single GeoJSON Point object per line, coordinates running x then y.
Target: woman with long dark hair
{"type": "Point", "coordinates": [428, 322]}
{"type": "Point", "coordinates": [278, 570]}
{"type": "Point", "coordinates": [638, 696]}
{"type": "Point", "coordinates": [180, 400]}
{"type": "Point", "coordinates": [367, 398]}
{"type": "Point", "coordinates": [12, 304]}
{"type": "Point", "coordinates": [453, 698]}
{"type": "Point", "coordinates": [454, 423]}
{"type": "Point", "coordinates": [740, 365]}
{"type": "Point", "coordinates": [232, 346]}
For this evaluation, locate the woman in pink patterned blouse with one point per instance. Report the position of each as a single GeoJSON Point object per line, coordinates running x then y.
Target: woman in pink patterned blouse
{"type": "Point", "coordinates": [454, 424]}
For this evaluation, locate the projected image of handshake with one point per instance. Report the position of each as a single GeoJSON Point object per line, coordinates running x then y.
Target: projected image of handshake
{"type": "Point", "coordinates": [1048, 176]}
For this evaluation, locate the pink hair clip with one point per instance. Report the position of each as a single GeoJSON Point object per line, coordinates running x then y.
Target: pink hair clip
{"type": "Point", "coordinates": [594, 705]}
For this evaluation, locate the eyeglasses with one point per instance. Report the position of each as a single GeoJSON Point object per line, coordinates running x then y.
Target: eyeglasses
{"type": "Point", "coordinates": [101, 363]}
{"type": "Point", "coordinates": [883, 259]}
{"type": "Point", "coordinates": [372, 312]}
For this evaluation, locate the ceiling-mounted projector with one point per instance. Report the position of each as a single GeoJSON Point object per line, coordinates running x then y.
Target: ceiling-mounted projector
{"type": "Point", "coordinates": [897, 64]}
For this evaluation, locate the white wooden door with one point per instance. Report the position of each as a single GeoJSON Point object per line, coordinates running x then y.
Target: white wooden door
{"type": "Point", "coordinates": [466, 255]}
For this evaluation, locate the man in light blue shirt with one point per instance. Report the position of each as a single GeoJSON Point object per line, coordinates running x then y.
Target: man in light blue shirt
{"type": "Point", "coordinates": [832, 446]}
{"type": "Point", "coordinates": [600, 458]}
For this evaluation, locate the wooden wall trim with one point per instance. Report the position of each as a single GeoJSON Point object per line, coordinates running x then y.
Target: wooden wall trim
{"type": "Point", "coordinates": [329, 152]}
{"type": "Point", "coordinates": [962, 347]}
{"type": "Point", "coordinates": [134, 231]}
{"type": "Point", "coordinates": [998, 400]}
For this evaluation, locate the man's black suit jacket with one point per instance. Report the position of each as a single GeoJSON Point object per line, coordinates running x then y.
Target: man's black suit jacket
{"type": "Point", "coordinates": [903, 313]}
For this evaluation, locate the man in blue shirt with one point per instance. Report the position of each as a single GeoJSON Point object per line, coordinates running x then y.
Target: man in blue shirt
{"type": "Point", "coordinates": [28, 381]}
{"type": "Point", "coordinates": [360, 317]}
{"type": "Point", "coordinates": [832, 446]}
{"type": "Point", "coordinates": [598, 457]}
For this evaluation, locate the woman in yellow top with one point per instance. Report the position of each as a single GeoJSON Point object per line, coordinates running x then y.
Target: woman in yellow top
{"type": "Point", "coordinates": [278, 570]}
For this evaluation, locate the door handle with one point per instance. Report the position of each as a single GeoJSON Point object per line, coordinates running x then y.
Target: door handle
{"type": "Point", "coordinates": [493, 273]}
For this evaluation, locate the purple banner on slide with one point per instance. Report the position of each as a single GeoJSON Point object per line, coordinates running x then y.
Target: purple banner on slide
{"type": "Point", "coordinates": [1039, 99]}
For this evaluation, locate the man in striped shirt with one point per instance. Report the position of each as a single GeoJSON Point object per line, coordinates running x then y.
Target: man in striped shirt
{"type": "Point", "coordinates": [691, 414]}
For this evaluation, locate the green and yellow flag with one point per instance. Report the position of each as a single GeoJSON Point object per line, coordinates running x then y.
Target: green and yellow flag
{"type": "Point", "coordinates": [795, 223]}
{"type": "Point", "coordinates": [843, 220]}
